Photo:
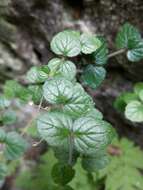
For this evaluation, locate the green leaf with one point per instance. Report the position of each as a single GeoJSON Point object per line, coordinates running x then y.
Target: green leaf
{"type": "Point", "coordinates": [101, 54]}
{"type": "Point", "coordinates": [63, 155]}
{"type": "Point", "coordinates": [4, 102]}
{"type": "Point", "coordinates": [63, 187]}
{"type": "Point", "coordinates": [95, 113]}
{"type": "Point", "coordinates": [71, 97]}
{"type": "Point", "coordinates": [62, 174]}
{"type": "Point", "coordinates": [55, 128]}
{"type": "Point", "coordinates": [122, 171]}
{"type": "Point", "coordinates": [134, 111]}
{"type": "Point", "coordinates": [141, 95]}
{"type": "Point", "coordinates": [127, 37]}
{"type": "Point", "coordinates": [130, 39]}
{"type": "Point", "coordinates": [89, 43]}
{"type": "Point", "coordinates": [91, 135]}
{"type": "Point", "coordinates": [138, 87]}
{"type": "Point", "coordinates": [66, 43]}
{"type": "Point", "coordinates": [95, 163]}
{"type": "Point", "coordinates": [9, 117]}
{"type": "Point", "coordinates": [13, 89]}
{"type": "Point", "coordinates": [62, 68]}
{"type": "Point", "coordinates": [37, 74]}
{"type": "Point", "coordinates": [3, 171]}
{"type": "Point", "coordinates": [36, 92]}
{"type": "Point", "coordinates": [93, 76]}
{"type": "Point", "coordinates": [2, 135]}
{"type": "Point", "coordinates": [15, 146]}
{"type": "Point", "coordinates": [136, 54]}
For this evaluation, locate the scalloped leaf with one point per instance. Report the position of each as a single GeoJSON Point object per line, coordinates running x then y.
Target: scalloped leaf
{"type": "Point", "coordinates": [134, 111]}
{"type": "Point", "coordinates": [89, 43]}
{"type": "Point", "coordinates": [38, 74]}
{"type": "Point", "coordinates": [127, 37]}
{"type": "Point", "coordinates": [62, 68]}
{"type": "Point", "coordinates": [15, 146]}
{"type": "Point", "coordinates": [93, 76]}
{"type": "Point", "coordinates": [55, 128]}
{"type": "Point", "coordinates": [66, 43]}
{"type": "Point", "coordinates": [71, 97]}
{"type": "Point", "coordinates": [101, 54]}
{"type": "Point", "coordinates": [130, 39]}
{"type": "Point", "coordinates": [136, 54]}
{"type": "Point", "coordinates": [91, 135]}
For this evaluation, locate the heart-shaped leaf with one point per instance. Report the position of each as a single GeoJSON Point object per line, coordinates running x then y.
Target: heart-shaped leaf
{"type": "Point", "coordinates": [91, 135]}
{"type": "Point", "coordinates": [66, 43]}
{"type": "Point", "coordinates": [89, 43]}
{"type": "Point", "coordinates": [62, 68]}
{"type": "Point", "coordinates": [55, 128]}
{"type": "Point", "coordinates": [134, 111]}
{"type": "Point", "coordinates": [93, 76]}
{"type": "Point", "coordinates": [71, 97]}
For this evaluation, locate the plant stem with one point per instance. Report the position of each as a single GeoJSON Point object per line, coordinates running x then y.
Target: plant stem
{"type": "Point", "coordinates": [71, 146]}
{"type": "Point", "coordinates": [116, 53]}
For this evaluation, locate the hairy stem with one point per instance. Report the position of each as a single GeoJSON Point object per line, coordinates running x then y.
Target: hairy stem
{"type": "Point", "coordinates": [116, 53]}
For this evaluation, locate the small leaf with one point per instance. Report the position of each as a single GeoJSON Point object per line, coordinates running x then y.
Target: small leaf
{"type": "Point", "coordinates": [55, 128]}
{"type": "Point", "coordinates": [11, 88]}
{"type": "Point", "coordinates": [36, 92]}
{"type": "Point", "coordinates": [15, 146]}
{"type": "Point", "coordinates": [66, 43]}
{"type": "Point", "coordinates": [93, 76]}
{"type": "Point", "coordinates": [4, 102]}
{"type": "Point", "coordinates": [136, 54]}
{"type": "Point", "coordinates": [2, 135]}
{"type": "Point", "coordinates": [134, 111]}
{"type": "Point", "coordinates": [62, 68]}
{"type": "Point", "coordinates": [9, 117]}
{"type": "Point", "coordinates": [37, 74]}
{"type": "Point", "coordinates": [91, 135]}
{"type": "Point", "coordinates": [62, 174]}
{"type": "Point", "coordinates": [63, 188]}
{"type": "Point", "coordinates": [127, 37]}
{"type": "Point", "coordinates": [141, 95]}
{"type": "Point", "coordinates": [138, 87]}
{"type": "Point", "coordinates": [95, 163]}
{"type": "Point", "coordinates": [101, 54]}
{"type": "Point", "coordinates": [89, 43]}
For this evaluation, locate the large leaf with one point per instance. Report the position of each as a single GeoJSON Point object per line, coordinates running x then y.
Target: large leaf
{"type": "Point", "coordinates": [101, 54]}
{"type": "Point", "coordinates": [71, 97]}
{"type": "Point", "coordinates": [66, 43]}
{"type": "Point", "coordinates": [62, 174]}
{"type": "Point", "coordinates": [62, 68]}
{"type": "Point", "coordinates": [127, 37]}
{"type": "Point", "coordinates": [89, 43]}
{"type": "Point", "coordinates": [15, 146]}
{"type": "Point", "coordinates": [134, 111]}
{"type": "Point", "coordinates": [93, 76]}
{"type": "Point", "coordinates": [55, 128]}
{"type": "Point", "coordinates": [130, 39]}
{"type": "Point", "coordinates": [95, 113]}
{"type": "Point", "coordinates": [91, 135]}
